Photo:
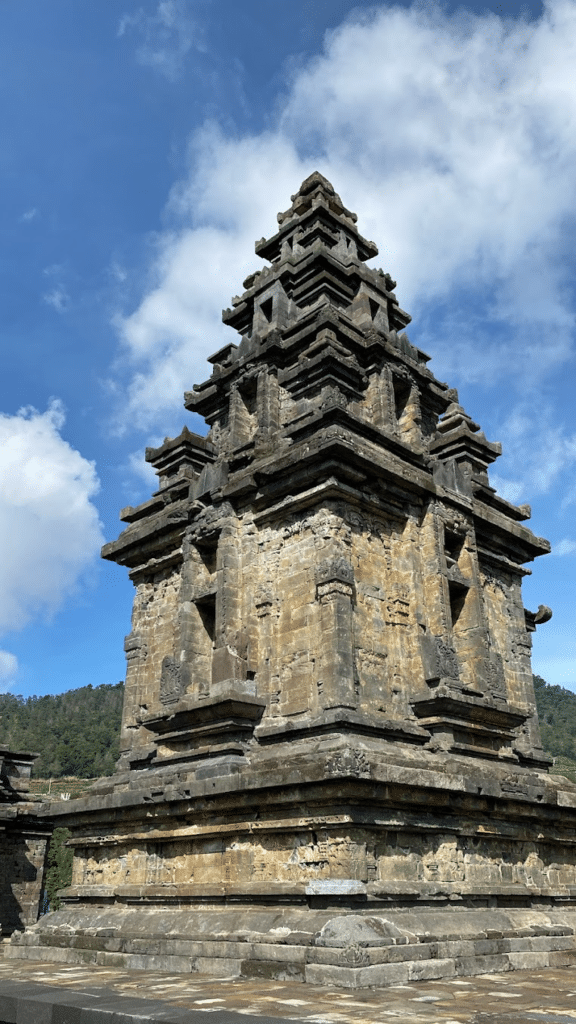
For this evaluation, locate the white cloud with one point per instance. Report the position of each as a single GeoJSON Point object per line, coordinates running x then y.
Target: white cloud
{"type": "Point", "coordinates": [457, 150]}
{"type": "Point", "coordinates": [178, 323]}
{"type": "Point", "coordinates": [8, 670]}
{"type": "Point", "coordinates": [142, 470]}
{"type": "Point", "coordinates": [29, 215]}
{"type": "Point", "coordinates": [49, 528]}
{"type": "Point", "coordinates": [564, 547]}
{"type": "Point", "coordinates": [166, 36]}
{"type": "Point", "coordinates": [537, 450]}
{"type": "Point", "coordinates": [510, 490]}
{"type": "Point", "coordinates": [58, 298]}
{"type": "Point", "coordinates": [117, 272]}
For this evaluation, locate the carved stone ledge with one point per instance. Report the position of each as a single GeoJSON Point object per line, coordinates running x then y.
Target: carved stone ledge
{"type": "Point", "coordinates": [342, 720]}
{"type": "Point", "coordinates": [469, 709]}
{"type": "Point", "coordinates": [206, 728]}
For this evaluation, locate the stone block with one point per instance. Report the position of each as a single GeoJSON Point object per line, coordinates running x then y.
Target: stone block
{"type": "Point", "coordinates": [216, 966]}
{"type": "Point", "coordinates": [55, 954]}
{"type": "Point", "coordinates": [105, 959]}
{"type": "Point", "coordinates": [155, 962]}
{"type": "Point", "coordinates": [276, 970]}
{"type": "Point", "coordinates": [563, 958]}
{"type": "Point", "coordinates": [415, 951]}
{"type": "Point", "coordinates": [198, 948]}
{"type": "Point", "coordinates": [362, 977]}
{"type": "Point", "coordinates": [528, 961]}
{"type": "Point", "coordinates": [91, 942]}
{"type": "Point", "coordinates": [390, 954]}
{"type": "Point", "coordinates": [540, 943]}
{"type": "Point", "coordinates": [383, 974]}
{"type": "Point", "coordinates": [284, 952]}
{"type": "Point", "coordinates": [468, 947]}
{"type": "Point", "coordinates": [428, 970]}
{"type": "Point", "coordinates": [467, 966]}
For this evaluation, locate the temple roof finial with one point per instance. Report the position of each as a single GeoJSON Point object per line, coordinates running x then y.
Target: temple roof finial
{"type": "Point", "coordinates": [312, 182]}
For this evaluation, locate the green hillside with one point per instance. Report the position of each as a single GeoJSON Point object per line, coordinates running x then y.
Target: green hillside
{"type": "Point", "coordinates": [75, 733]}
{"type": "Point", "coordinates": [557, 714]}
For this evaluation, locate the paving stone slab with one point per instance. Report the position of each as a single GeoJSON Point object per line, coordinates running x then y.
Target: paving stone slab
{"type": "Point", "coordinates": [42, 993]}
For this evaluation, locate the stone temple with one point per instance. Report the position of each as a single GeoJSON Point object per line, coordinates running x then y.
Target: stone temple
{"type": "Point", "coordinates": [331, 766]}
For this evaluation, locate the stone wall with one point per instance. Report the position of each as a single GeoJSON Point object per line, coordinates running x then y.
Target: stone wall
{"type": "Point", "coordinates": [21, 877]}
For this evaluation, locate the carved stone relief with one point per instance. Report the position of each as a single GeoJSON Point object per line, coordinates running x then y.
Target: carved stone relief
{"type": "Point", "coordinates": [349, 762]}
{"type": "Point", "coordinates": [170, 680]}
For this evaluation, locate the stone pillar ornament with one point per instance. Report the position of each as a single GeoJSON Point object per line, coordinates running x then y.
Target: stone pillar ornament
{"type": "Point", "coordinates": [335, 593]}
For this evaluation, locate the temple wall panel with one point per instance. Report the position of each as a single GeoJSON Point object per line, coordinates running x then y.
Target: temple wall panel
{"type": "Point", "coordinates": [361, 854]}
{"type": "Point", "coordinates": [155, 636]}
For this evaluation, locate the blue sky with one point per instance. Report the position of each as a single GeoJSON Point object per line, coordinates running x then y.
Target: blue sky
{"type": "Point", "coordinates": [146, 145]}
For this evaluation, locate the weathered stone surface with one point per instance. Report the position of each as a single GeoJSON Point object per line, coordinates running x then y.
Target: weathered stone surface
{"type": "Point", "coordinates": [24, 833]}
{"type": "Point", "coordinates": [331, 766]}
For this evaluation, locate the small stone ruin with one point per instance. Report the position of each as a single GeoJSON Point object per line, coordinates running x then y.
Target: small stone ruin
{"type": "Point", "coordinates": [24, 834]}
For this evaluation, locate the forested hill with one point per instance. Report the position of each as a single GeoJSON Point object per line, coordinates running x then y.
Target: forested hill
{"type": "Point", "coordinates": [557, 714]}
{"type": "Point", "coordinates": [75, 733]}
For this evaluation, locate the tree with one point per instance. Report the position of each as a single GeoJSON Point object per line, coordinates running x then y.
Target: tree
{"type": "Point", "coordinates": [557, 715]}
{"type": "Point", "coordinates": [75, 733]}
{"type": "Point", "coordinates": [59, 866]}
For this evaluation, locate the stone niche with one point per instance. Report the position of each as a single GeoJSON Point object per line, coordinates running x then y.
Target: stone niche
{"type": "Point", "coordinates": [331, 766]}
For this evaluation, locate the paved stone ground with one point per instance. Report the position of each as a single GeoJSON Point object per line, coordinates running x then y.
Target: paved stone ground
{"type": "Point", "coordinates": [521, 997]}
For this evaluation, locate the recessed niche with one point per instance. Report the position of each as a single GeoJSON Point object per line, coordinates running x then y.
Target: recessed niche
{"type": "Point", "coordinates": [208, 553]}
{"type": "Point", "coordinates": [458, 594]}
{"type": "Point", "coordinates": [267, 307]}
{"type": "Point", "coordinates": [207, 611]}
{"type": "Point", "coordinates": [244, 413]}
{"type": "Point", "coordinates": [248, 395]}
{"type": "Point", "coordinates": [453, 544]}
{"type": "Point", "coordinates": [402, 389]}
{"type": "Point", "coordinates": [374, 308]}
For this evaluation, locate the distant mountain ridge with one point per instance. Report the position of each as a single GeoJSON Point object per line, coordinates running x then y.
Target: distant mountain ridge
{"type": "Point", "coordinates": [77, 733]}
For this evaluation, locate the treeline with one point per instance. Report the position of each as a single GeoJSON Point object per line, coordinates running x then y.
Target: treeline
{"type": "Point", "coordinates": [557, 714]}
{"type": "Point", "coordinates": [75, 733]}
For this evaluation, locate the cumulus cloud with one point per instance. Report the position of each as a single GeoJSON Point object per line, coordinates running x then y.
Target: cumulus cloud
{"type": "Point", "coordinates": [538, 450]}
{"type": "Point", "coordinates": [564, 547]}
{"type": "Point", "coordinates": [165, 37]}
{"type": "Point", "coordinates": [58, 298]}
{"type": "Point", "coordinates": [117, 272]}
{"type": "Point", "coordinates": [142, 470]}
{"type": "Point", "coordinates": [49, 527]}
{"type": "Point", "coordinates": [8, 670]}
{"type": "Point", "coordinates": [457, 149]}
{"type": "Point", "coordinates": [197, 269]}
{"type": "Point", "coordinates": [510, 490]}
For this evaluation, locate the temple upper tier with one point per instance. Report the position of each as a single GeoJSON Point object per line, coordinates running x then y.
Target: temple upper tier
{"type": "Point", "coordinates": [324, 412]}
